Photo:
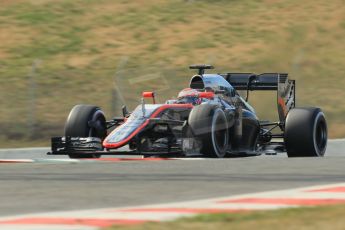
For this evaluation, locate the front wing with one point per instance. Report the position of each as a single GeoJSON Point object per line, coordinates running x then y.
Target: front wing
{"type": "Point", "coordinates": [94, 145]}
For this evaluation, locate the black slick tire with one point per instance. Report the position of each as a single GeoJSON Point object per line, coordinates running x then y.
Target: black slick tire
{"type": "Point", "coordinates": [77, 125]}
{"type": "Point", "coordinates": [209, 124]}
{"type": "Point", "coordinates": [305, 133]}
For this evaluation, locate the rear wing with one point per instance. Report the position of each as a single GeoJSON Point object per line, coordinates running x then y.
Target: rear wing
{"type": "Point", "coordinates": [285, 87]}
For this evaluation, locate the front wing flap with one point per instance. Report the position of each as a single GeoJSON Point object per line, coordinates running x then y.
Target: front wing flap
{"type": "Point", "coordinates": [65, 145]}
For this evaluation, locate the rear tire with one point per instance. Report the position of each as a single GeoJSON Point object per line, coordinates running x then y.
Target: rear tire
{"type": "Point", "coordinates": [77, 125]}
{"type": "Point", "coordinates": [209, 124]}
{"type": "Point", "coordinates": [305, 133]}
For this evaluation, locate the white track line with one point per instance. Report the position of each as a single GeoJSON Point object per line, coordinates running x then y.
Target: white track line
{"type": "Point", "coordinates": [96, 218]}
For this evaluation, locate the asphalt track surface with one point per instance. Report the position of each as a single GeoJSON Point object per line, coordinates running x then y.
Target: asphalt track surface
{"type": "Point", "coordinates": [43, 187]}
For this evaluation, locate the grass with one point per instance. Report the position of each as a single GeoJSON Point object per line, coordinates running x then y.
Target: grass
{"type": "Point", "coordinates": [85, 47]}
{"type": "Point", "coordinates": [327, 217]}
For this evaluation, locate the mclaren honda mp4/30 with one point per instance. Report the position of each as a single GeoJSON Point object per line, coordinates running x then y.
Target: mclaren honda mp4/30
{"type": "Point", "coordinates": [209, 118]}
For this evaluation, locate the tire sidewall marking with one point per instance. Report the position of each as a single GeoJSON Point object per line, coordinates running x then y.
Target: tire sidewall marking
{"type": "Point", "coordinates": [216, 114]}
{"type": "Point", "coordinates": [316, 123]}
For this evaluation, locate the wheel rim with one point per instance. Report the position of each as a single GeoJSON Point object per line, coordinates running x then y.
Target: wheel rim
{"type": "Point", "coordinates": [97, 117]}
{"type": "Point", "coordinates": [320, 135]}
{"type": "Point", "coordinates": [220, 135]}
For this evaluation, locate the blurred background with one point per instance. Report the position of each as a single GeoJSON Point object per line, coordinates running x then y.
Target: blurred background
{"type": "Point", "coordinates": [58, 53]}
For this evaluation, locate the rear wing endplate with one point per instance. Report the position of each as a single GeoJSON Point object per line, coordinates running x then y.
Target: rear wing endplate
{"type": "Point", "coordinates": [285, 87]}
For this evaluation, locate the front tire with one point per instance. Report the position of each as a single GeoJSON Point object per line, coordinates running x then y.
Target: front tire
{"type": "Point", "coordinates": [209, 124]}
{"type": "Point", "coordinates": [78, 125]}
{"type": "Point", "coordinates": [305, 133]}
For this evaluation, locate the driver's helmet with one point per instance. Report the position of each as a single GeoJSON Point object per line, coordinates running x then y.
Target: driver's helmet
{"type": "Point", "coordinates": [189, 96]}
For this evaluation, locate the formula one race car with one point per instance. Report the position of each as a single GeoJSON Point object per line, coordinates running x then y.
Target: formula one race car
{"type": "Point", "coordinates": [208, 118]}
